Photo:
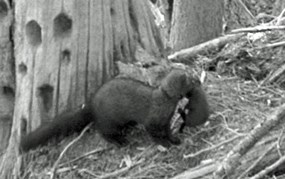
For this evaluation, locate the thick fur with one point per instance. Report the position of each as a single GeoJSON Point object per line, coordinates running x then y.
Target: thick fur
{"type": "Point", "coordinates": [117, 104]}
{"type": "Point", "coordinates": [198, 108]}
{"type": "Point", "coordinates": [139, 103]}
{"type": "Point", "coordinates": [63, 125]}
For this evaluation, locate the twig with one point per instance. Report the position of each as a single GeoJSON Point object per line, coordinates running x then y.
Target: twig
{"type": "Point", "coordinates": [84, 170]}
{"type": "Point", "coordinates": [211, 148]}
{"type": "Point", "coordinates": [226, 126]}
{"type": "Point", "coordinates": [279, 18]}
{"type": "Point", "coordinates": [246, 9]}
{"type": "Point", "coordinates": [64, 169]}
{"type": "Point", "coordinates": [257, 29]}
{"type": "Point", "coordinates": [277, 44]}
{"type": "Point", "coordinates": [269, 168]}
{"type": "Point", "coordinates": [203, 130]}
{"type": "Point", "coordinates": [83, 156]}
{"type": "Point", "coordinates": [264, 15]}
{"type": "Point", "coordinates": [233, 131]}
{"type": "Point", "coordinates": [279, 141]}
{"type": "Point", "coordinates": [54, 168]}
{"type": "Point", "coordinates": [120, 171]}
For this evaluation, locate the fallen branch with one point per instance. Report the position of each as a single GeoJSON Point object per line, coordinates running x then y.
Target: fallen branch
{"type": "Point", "coordinates": [54, 168]}
{"type": "Point", "coordinates": [269, 168]}
{"type": "Point", "coordinates": [190, 52]}
{"type": "Point", "coordinates": [231, 162]}
{"type": "Point", "coordinates": [257, 29]}
{"type": "Point", "coordinates": [256, 159]}
{"type": "Point", "coordinates": [256, 162]}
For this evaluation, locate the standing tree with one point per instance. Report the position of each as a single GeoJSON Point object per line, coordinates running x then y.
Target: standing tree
{"type": "Point", "coordinates": [64, 51]}
{"type": "Point", "coordinates": [194, 22]}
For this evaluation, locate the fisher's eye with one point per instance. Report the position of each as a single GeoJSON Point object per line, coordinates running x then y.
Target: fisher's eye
{"type": "Point", "coordinates": [189, 94]}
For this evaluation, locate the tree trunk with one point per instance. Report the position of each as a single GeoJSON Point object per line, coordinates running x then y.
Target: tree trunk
{"type": "Point", "coordinates": [194, 22]}
{"type": "Point", "coordinates": [65, 50]}
{"type": "Point", "coordinates": [237, 15]}
{"type": "Point", "coordinates": [7, 82]}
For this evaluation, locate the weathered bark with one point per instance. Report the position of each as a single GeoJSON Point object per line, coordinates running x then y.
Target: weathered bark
{"type": "Point", "coordinates": [65, 50]}
{"type": "Point", "coordinates": [6, 116]}
{"type": "Point", "coordinates": [166, 7]}
{"type": "Point", "coordinates": [7, 82]}
{"type": "Point", "coordinates": [194, 22]}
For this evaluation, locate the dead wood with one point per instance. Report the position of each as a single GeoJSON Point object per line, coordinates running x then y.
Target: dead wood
{"type": "Point", "coordinates": [264, 154]}
{"type": "Point", "coordinates": [232, 161]}
{"type": "Point", "coordinates": [206, 46]}
{"type": "Point", "coordinates": [246, 160]}
{"type": "Point", "coordinates": [257, 29]}
{"type": "Point", "coordinates": [201, 171]}
{"type": "Point", "coordinates": [269, 168]}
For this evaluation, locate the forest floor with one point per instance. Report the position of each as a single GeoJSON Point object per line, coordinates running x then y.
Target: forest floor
{"type": "Point", "coordinates": [238, 99]}
{"type": "Point", "coordinates": [237, 106]}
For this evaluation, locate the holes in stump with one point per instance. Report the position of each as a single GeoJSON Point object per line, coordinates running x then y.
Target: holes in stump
{"type": "Point", "coordinates": [3, 9]}
{"type": "Point", "coordinates": [112, 11]}
{"type": "Point", "coordinates": [24, 126]}
{"type": "Point", "coordinates": [34, 33]}
{"type": "Point", "coordinates": [62, 25]}
{"type": "Point", "coordinates": [65, 56]}
{"type": "Point", "coordinates": [170, 8]}
{"type": "Point", "coordinates": [9, 91]}
{"type": "Point", "coordinates": [46, 94]}
{"type": "Point", "coordinates": [23, 68]}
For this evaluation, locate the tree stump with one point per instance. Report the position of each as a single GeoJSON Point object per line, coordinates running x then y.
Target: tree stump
{"type": "Point", "coordinates": [64, 51]}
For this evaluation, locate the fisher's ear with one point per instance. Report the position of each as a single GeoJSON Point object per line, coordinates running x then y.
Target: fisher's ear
{"type": "Point", "coordinates": [188, 84]}
{"type": "Point", "coordinates": [193, 82]}
{"type": "Point", "coordinates": [175, 83]}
